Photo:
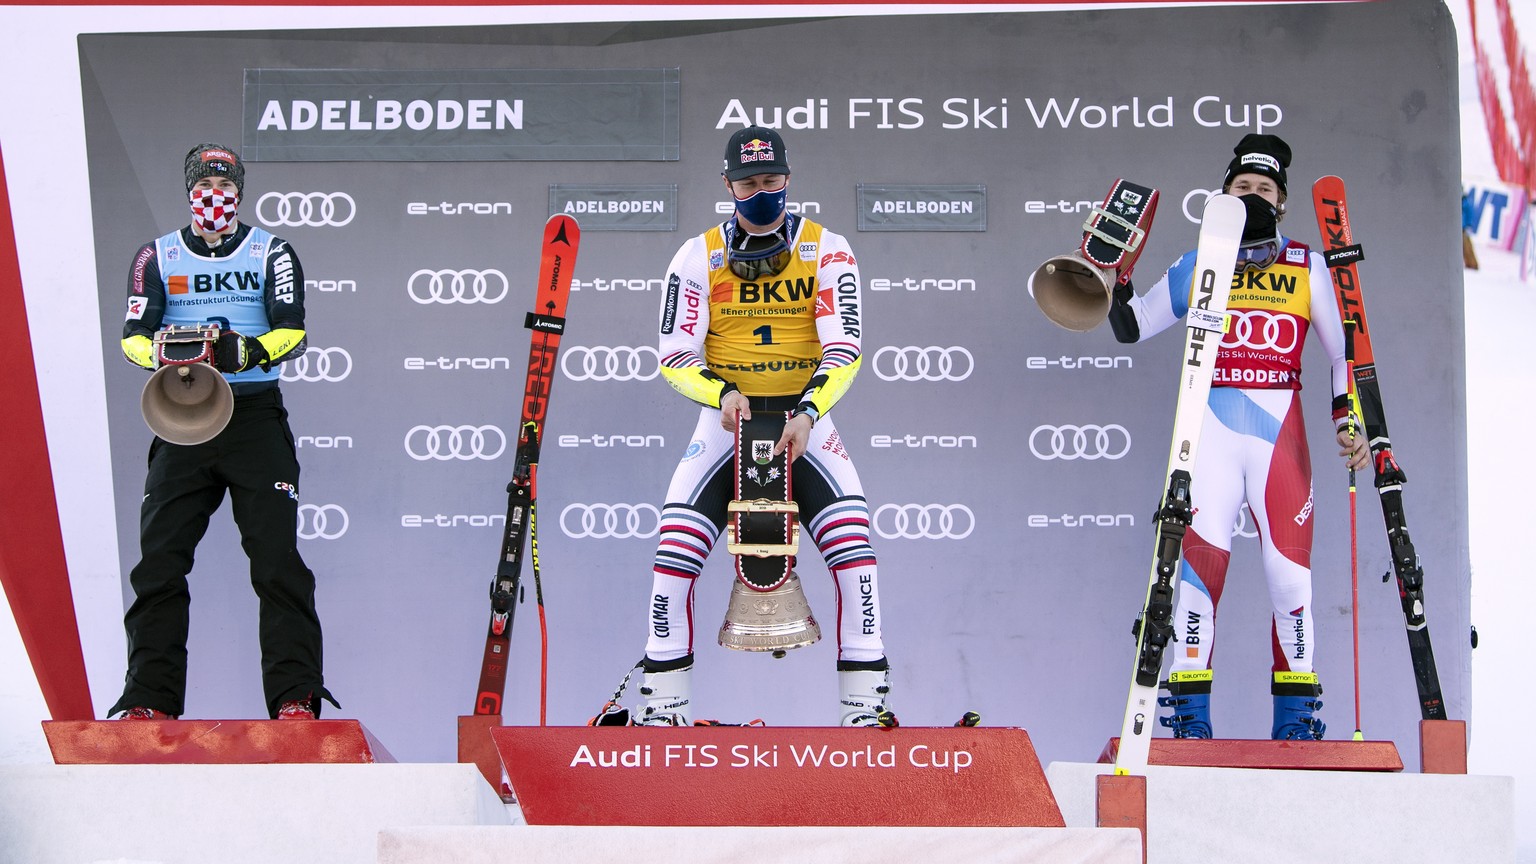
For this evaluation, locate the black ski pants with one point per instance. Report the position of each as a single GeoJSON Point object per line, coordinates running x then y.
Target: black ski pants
{"type": "Point", "coordinates": [253, 458]}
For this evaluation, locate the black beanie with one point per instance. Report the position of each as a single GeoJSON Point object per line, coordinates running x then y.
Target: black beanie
{"type": "Point", "coordinates": [208, 159]}
{"type": "Point", "coordinates": [1260, 154]}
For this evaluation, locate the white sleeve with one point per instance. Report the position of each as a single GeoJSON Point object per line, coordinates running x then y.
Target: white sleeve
{"type": "Point", "coordinates": [1327, 323]}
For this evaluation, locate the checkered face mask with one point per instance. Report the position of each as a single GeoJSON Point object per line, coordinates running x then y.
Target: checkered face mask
{"type": "Point", "coordinates": [213, 210]}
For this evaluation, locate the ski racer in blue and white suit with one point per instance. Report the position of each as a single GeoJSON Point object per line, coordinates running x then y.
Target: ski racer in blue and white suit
{"type": "Point", "coordinates": [1253, 444]}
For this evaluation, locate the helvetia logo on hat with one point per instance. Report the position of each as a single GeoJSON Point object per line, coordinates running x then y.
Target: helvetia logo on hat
{"type": "Point", "coordinates": [1263, 159]}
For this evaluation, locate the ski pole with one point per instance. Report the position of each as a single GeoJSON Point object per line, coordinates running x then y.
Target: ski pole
{"type": "Point", "coordinates": [538, 597]}
{"type": "Point", "coordinates": [1354, 548]}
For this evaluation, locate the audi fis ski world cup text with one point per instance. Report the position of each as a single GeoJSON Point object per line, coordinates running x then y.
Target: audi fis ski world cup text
{"type": "Point", "coordinates": [809, 756]}
{"type": "Point", "coordinates": [992, 112]}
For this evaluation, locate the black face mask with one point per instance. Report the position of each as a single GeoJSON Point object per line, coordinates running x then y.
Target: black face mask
{"type": "Point", "coordinates": [1261, 233]}
{"type": "Point", "coordinates": [754, 256]}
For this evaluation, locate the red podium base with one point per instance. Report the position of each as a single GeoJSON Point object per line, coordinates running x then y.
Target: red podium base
{"type": "Point", "coordinates": [210, 742]}
{"type": "Point", "coordinates": [1287, 755]}
{"type": "Point", "coordinates": [475, 746]}
{"type": "Point", "coordinates": [790, 776]}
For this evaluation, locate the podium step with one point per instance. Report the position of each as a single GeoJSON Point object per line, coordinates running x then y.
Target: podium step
{"type": "Point", "coordinates": [784, 776]}
{"type": "Point", "coordinates": [558, 844]}
{"type": "Point", "coordinates": [1220, 815]}
{"type": "Point", "coordinates": [230, 814]}
{"type": "Point", "coordinates": [210, 742]}
{"type": "Point", "coordinates": [1285, 755]}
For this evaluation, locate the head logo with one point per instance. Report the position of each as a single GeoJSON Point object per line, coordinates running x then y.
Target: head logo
{"type": "Point", "coordinates": [924, 521]}
{"type": "Point", "coordinates": [610, 521]}
{"type": "Point", "coordinates": [457, 286]}
{"type": "Point", "coordinates": [443, 443]}
{"type": "Point", "coordinates": [306, 209]}
{"type": "Point", "coordinates": [932, 363]}
{"type": "Point", "coordinates": [1080, 442]}
{"type": "Point", "coordinates": [322, 521]}
{"type": "Point", "coordinates": [615, 363]}
{"type": "Point", "coordinates": [318, 364]}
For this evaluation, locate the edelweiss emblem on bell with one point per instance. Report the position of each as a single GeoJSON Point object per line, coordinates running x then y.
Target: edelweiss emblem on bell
{"type": "Point", "coordinates": [773, 474]}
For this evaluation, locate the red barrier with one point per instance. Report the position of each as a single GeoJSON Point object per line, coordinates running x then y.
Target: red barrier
{"type": "Point", "coordinates": [211, 742]}
{"type": "Point", "coordinates": [790, 776]}
{"type": "Point", "coordinates": [32, 566]}
{"type": "Point", "coordinates": [1443, 746]}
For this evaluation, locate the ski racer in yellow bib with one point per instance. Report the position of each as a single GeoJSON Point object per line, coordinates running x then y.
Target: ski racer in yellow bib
{"type": "Point", "coordinates": [762, 313]}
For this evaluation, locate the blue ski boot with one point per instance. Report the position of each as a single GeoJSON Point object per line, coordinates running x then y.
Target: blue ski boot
{"type": "Point", "coordinates": [1189, 695]}
{"type": "Point", "coordinates": [1296, 706]}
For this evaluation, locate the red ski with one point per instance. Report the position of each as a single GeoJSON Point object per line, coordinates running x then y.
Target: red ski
{"type": "Point", "coordinates": [1342, 254]}
{"type": "Point", "coordinates": [562, 236]}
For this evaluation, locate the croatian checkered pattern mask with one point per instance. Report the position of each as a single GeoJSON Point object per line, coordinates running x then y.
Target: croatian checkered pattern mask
{"type": "Point", "coordinates": [213, 210]}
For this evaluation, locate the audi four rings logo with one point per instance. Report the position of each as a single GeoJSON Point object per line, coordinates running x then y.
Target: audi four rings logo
{"type": "Point", "coordinates": [455, 442]}
{"type": "Point", "coordinates": [615, 363]}
{"type": "Point", "coordinates": [322, 521]}
{"type": "Point", "coordinates": [1080, 442]}
{"type": "Point", "coordinates": [610, 521]}
{"type": "Point", "coordinates": [932, 363]}
{"type": "Point", "coordinates": [457, 286]}
{"type": "Point", "coordinates": [1263, 331]}
{"type": "Point", "coordinates": [306, 209]}
{"type": "Point", "coordinates": [924, 521]}
{"type": "Point", "coordinates": [318, 364]}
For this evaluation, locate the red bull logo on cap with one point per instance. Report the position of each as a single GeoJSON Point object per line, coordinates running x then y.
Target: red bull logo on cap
{"type": "Point", "coordinates": [756, 150]}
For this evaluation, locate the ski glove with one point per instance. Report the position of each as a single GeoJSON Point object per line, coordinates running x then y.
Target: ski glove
{"type": "Point", "coordinates": [235, 353]}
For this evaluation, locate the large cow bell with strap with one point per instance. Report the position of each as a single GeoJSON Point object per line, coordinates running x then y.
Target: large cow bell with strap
{"type": "Point", "coordinates": [186, 401]}
{"type": "Point", "coordinates": [768, 610]}
{"type": "Point", "coordinates": [1075, 290]}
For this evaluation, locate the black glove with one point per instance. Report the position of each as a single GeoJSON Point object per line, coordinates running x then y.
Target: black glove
{"type": "Point", "coordinates": [235, 353]}
{"type": "Point", "coordinates": [1123, 291]}
{"type": "Point", "coordinates": [1122, 319]}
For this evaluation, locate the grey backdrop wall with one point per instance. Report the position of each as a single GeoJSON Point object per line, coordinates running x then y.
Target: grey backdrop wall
{"type": "Point", "coordinates": [1018, 603]}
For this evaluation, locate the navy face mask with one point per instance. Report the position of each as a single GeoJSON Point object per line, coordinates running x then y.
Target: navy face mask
{"type": "Point", "coordinates": [763, 207]}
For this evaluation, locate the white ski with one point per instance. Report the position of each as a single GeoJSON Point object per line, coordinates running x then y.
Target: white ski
{"type": "Point", "coordinates": [1221, 230]}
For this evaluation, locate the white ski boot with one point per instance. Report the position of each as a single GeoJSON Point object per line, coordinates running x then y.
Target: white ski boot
{"type": "Point", "coordinates": [668, 694]}
{"type": "Point", "coordinates": [865, 694]}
